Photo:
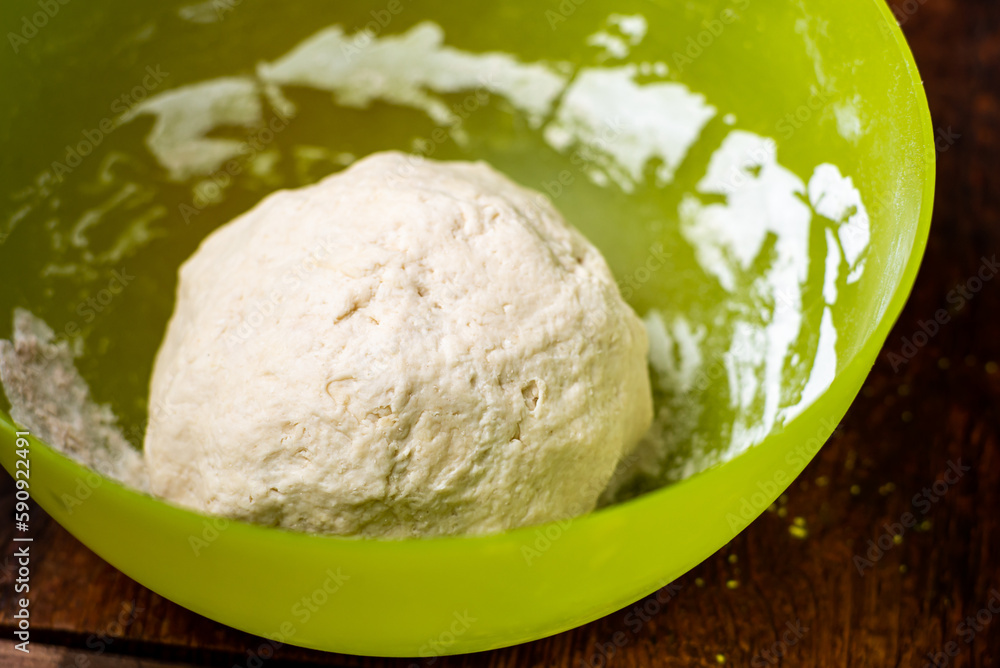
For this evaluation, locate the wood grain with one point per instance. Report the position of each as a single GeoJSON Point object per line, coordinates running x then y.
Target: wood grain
{"type": "Point", "coordinates": [44, 656]}
{"type": "Point", "coordinates": [788, 590]}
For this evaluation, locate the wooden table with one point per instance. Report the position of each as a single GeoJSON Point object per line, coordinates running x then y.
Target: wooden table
{"type": "Point", "coordinates": [802, 585]}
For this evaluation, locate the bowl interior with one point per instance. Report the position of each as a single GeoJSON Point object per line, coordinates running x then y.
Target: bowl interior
{"type": "Point", "coordinates": [759, 178]}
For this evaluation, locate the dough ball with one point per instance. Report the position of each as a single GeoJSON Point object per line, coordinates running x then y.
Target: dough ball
{"type": "Point", "coordinates": [405, 348]}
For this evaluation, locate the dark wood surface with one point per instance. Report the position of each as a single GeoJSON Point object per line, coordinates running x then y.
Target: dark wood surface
{"type": "Point", "coordinates": [791, 584]}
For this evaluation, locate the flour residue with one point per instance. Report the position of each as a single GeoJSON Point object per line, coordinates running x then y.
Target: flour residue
{"type": "Point", "coordinates": [824, 367]}
{"type": "Point", "coordinates": [50, 398]}
{"type": "Point", "coordinates": [412, 69]}
{"type": "Point", "coordinates": [620, 33]}
{"type": "Point", "coordinates": [848, 116]}
{"type": "Point", "coordinates": [211, 11]}
{"type": "Point", "coordinates": [671, 449]}
{"type": "Point", "coordinates": [623, 123]}
{"type": "Point", "coordinates": [628, 123]}
{"type": "Point", "coordinates": [835, 197]}
{"type": "Point", "coordinates": [185, 116]}
{"type": "Point", "coordinates": [847, 112]}
{"type": "Point", "coordinates": [675, 351]}
{"type": "Point", "coordinates": [762, 198]}
{"type": "Point", "coordinates": [804, 27]}
{"type": "Point", "coordinates": [832, 268]}
{"type": "Point", "coordinates": [763, 201]}
{"type": "Point", "coordinates": [409, 69]}
{"type": "Point", "coordinates": [756, 244]}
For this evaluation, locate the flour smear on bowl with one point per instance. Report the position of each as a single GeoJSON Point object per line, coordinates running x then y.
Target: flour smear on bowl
{"type": "Point", "coordinates": [749, 220]}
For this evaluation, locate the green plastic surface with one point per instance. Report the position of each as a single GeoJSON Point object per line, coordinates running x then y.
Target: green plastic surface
{"type": "Point", "coordinates": [450, 595]}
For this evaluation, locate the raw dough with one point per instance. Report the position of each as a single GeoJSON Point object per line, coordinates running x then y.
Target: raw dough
{"type": "Point", "coordinates": [406, 348]}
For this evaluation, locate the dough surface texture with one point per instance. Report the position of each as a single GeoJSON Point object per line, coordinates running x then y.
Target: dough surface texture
{"type": "Point", "coordinates": [406, 348]}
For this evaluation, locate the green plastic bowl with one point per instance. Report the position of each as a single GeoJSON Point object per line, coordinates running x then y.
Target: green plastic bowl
{"type": "Point", "coordinates": [776, 66]}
